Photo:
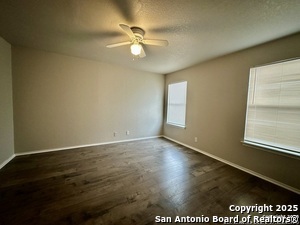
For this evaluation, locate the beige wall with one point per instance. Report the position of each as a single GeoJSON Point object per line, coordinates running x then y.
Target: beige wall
{"type": "Point", "coordinates": [6, 105]}
{"type": "Point", "coordinates": [62, 101]}
{"type": "Point", "coordinates": [216, 107]}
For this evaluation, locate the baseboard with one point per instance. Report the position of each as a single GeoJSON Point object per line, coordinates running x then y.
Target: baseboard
{"type": "Point", "coordinates": [7, 161]}
{"type": "Point", "coordinates": [82, 146]}
{"type": "Point", "coordinates": [290, 188]}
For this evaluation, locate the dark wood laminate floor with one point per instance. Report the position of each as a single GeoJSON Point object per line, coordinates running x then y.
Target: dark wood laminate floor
{"type": "Point", "coordinates": [127, 183]}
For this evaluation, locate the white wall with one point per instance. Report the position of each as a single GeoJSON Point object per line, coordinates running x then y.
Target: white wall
{"type": "Point", "coordinates": [216, 109]}
{"type": "Point", "coordinates": [62, 101]}
{"type": "Point", "coordinates": [6, 104]}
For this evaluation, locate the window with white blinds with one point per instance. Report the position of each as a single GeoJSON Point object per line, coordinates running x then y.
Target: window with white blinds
{"type": "Point", "coordinates": [177, 104]}
{"type": "Point", "coordinates": [273, 108]}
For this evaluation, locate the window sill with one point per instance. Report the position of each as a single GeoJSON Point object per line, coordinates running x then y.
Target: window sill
{"type": "Point", "coordinates": [274, 150]}
{"type": "Point", "coordinates": [176, 125]}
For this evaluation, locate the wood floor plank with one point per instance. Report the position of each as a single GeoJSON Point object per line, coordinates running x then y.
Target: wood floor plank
{"type": "Point", "coordinates": [126, 183]}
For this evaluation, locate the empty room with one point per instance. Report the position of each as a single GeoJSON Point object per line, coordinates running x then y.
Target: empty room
{"type": "Point", "coordinates": [149, 112]}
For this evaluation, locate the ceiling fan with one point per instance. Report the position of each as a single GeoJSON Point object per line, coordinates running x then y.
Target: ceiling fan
{"type": "Point", "coordinates": [137, 41]}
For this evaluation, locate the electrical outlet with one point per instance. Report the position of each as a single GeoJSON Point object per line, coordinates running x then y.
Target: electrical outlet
{"type": "Point", "coordinates": [115, 134]}
{"type": "Point", "coordinates": [127, 132]}
{"type": "Point", "coordinates": [196, 139]}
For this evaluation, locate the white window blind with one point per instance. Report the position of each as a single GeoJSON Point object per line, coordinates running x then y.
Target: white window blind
{"type": "Point", "coordinates": [273, 108]}
{"type": "Point", "coordinates": [177, 104]}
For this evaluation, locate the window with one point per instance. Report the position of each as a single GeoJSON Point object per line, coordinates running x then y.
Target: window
{"type": "Point", "coordinates": [273, 108]}
{"type": "Point", "coordinates": [177, 104]}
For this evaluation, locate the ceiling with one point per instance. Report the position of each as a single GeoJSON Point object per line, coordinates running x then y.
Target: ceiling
{"type": "Point", "coordinates": [197, 30]}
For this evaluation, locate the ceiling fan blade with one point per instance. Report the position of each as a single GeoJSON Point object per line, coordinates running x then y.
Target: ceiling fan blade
{"type": "Point", "coordinates": [118, 44]}
{"type": "Point", "coordinates": [142, 54]}
{"type": "Point", "coordinates": [127, 30]}
{"type": "Point", "coordinates": [156, 42]}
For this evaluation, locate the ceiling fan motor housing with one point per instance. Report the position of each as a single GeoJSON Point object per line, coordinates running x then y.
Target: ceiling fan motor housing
{"type": "Point", "coordinates": [138, 32]}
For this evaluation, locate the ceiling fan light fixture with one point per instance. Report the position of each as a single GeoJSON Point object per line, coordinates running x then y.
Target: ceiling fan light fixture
{"type": "Point", "coordinates": [136, 48]}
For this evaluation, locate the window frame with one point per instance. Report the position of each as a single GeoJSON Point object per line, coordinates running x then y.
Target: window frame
{"type": "Point", "coordinates": [260, 145]}
{"type": "Point", "coordinates": [180, 125]}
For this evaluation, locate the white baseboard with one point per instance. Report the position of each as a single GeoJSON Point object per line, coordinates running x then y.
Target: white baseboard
{"type": "Point", "coordinates": [82, 146]}
{"type": "Point", "coordinates": [144, 138]}
{"type": "Point", "coordinates": [239, 167]}
{"type": "Point", "coordinates": [7, 161]}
